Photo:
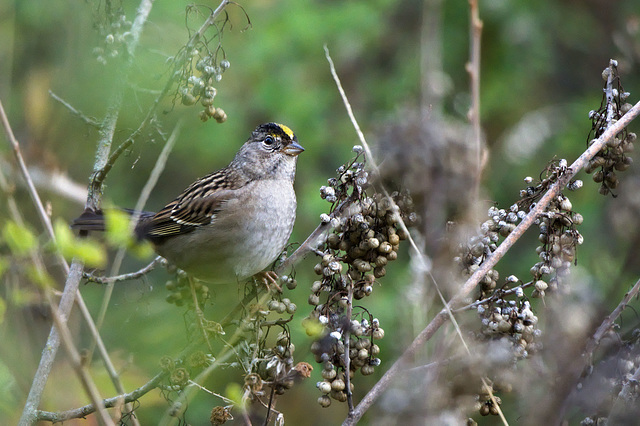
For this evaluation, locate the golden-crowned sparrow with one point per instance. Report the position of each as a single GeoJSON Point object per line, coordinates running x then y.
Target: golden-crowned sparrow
{"type": "Point", "coordinates": [230, 224]}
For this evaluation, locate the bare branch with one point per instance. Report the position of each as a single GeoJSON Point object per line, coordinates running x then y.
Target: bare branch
{"type": "Point", "coordinates": [125, 277]}
{"type": "Point", "coordinates": [82, 412]}
{"type": "Point", "coordinates": [87, 120]}
{"type": "Point", "coordinates": [76, 362]}
{"type": "Point", "coordinates": [490, 262]}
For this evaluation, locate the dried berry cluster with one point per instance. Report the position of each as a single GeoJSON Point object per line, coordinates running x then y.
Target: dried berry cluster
{"type": "Point", "coordinates": [271, 366]}
{"type": "Point", "coordinates": [330, 351]}
{"type": "Point", "coordinates": [196, 82]}
{"type": "Point", "coordinates": [199, 65]}
{"type": "Point", "coordinates": [114, 28]}
{"type": "Point", "coordinates": [613, 157]}
{"type": "Point", "coordinates": [365, 235]}
{"type": "Point", "coordinates": [504, 308]}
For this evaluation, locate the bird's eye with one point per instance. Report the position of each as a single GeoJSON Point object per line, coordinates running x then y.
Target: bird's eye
{"type": "Point", "coordinates": [269, 140]}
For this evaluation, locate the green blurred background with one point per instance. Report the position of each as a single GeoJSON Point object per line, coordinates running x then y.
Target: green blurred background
{"type": "Point", "coordinates": [541, 66]}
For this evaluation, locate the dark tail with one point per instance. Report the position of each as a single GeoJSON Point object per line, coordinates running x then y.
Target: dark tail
{"type": "Point", "coordinates": [93, 220]}
{"type": "Point", "coordinates": [89, 220]}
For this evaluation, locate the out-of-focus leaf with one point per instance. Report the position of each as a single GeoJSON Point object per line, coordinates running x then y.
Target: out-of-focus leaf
{"type": "Point", "coordinates": [142, 249]}
{"type": "Point", "coordinates": [117, 224]}
{"type": "Point", "coordinates": [90, 252]}
{"type": "Point", "coordinates": [40, 277]}
{"type": "Point", "coordinates": [119, 234]}
{"type": "Point", "coordinates": [20, 297]}
{"type": "Point", "coordinates": [20, 240]}
{"type": "Point", "coordinates": [234, 393]}
{"type": "Point", "coordinates": [3, 309]}
{"type": "Point", "coordinates": [312, 327]}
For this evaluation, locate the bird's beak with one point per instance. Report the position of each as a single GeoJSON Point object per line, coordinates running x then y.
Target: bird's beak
{"type": "Point", "coordinates": [293, 149]}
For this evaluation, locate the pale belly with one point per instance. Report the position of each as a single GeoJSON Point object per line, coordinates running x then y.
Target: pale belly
{"type": "Point", "coordinates": [244, 238]}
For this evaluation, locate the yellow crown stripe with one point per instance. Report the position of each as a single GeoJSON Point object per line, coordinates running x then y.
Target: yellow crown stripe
{"type": "Point", "coordinates": [285, 129]}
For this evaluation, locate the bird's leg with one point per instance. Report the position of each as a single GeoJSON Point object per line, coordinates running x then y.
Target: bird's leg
{"type": "Point", "coordinates": [269, 279]}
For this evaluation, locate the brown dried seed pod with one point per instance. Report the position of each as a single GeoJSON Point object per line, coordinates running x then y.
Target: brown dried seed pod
{"type": "Point", "coordinates": [324, 401]}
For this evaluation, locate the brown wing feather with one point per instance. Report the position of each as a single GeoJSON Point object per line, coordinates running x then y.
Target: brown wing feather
{"type": "Point", "coordinates": [196, 206]}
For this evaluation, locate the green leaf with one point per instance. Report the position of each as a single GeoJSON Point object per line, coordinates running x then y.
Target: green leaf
{"type": "Point", "coordinates": [21, 241]}
{"type": "Point", "coordinates": [90, 252]}
{"type": "Point", "coordinates": [118, 228]}
{"type": "Point", "coordinates": [142, 249]}
{"type": "Point", "coordinates": [3, 309]}
{"type": "Point", "coordinates": [312, 327]}
{"type": "Point", "coordinates": [119, 234]}
{"type": "Point", "coordinates": [234, 393]}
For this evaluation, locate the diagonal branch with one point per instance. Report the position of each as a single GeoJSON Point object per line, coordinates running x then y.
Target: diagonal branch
{"type": "Point", "coordinates": [82, 412]}
{"type": "Point", "coordinates": [489, 263]}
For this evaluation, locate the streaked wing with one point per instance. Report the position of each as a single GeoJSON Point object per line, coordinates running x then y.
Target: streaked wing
{"type": "Point", "coordinates": [196, 206]}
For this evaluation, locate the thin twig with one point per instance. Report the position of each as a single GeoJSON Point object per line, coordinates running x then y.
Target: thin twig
{"type": "Point", "coordinates": [202, 388]}
{"type": "Point", "coordinates": [499, 293]}
{"type": "Point", "coordinates": [607, 324]}
{"type": "Point", "coordinates": [125, 277]}
{"type": "Point", "coordinates": [347, 357]}
{"type": "Point", "coordinates": [33, 192]}
{"type": "Point", "coordinates": [87, 120]}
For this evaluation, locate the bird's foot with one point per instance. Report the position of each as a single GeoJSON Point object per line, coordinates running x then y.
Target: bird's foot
{"type": "Point", "coordinates": [269, 279]}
